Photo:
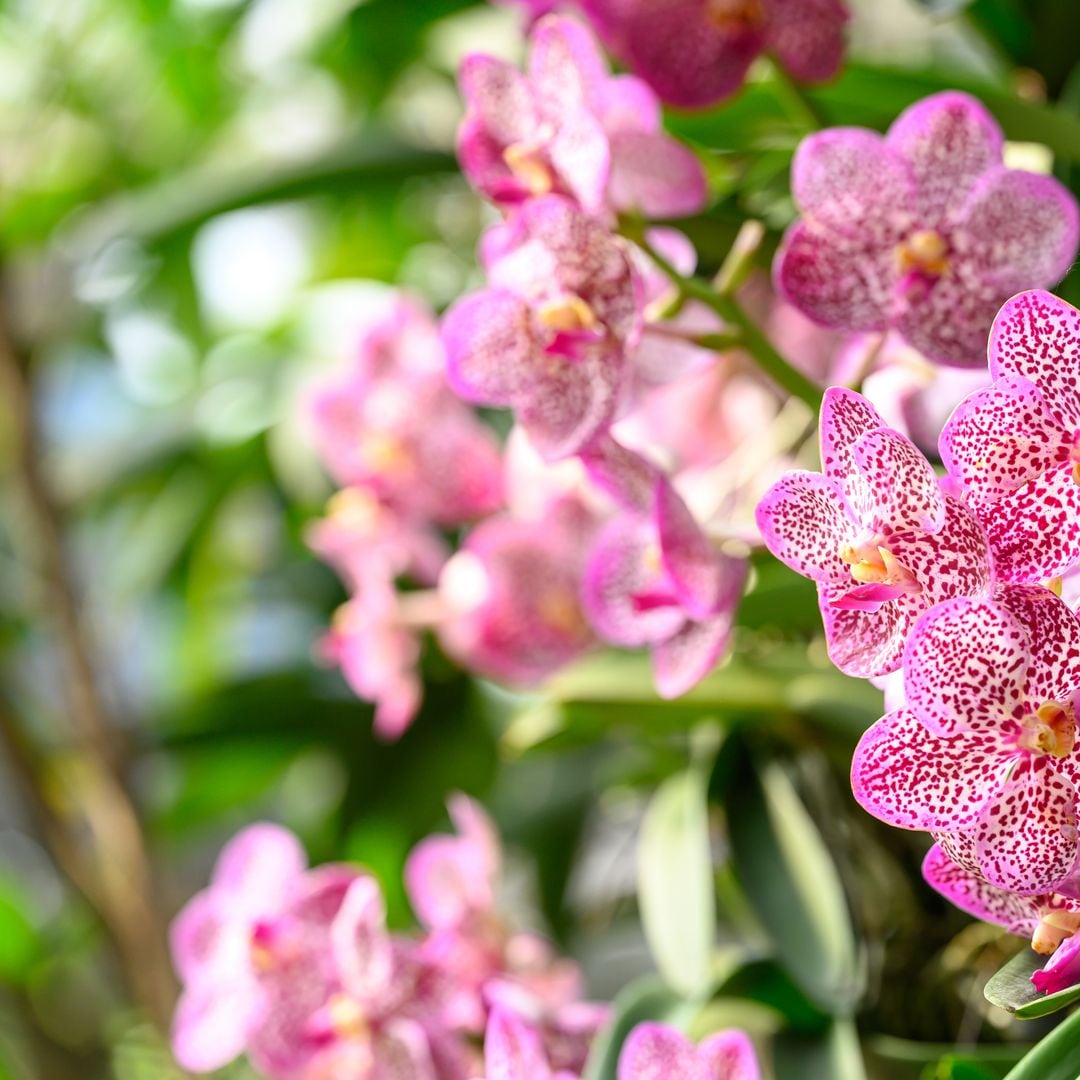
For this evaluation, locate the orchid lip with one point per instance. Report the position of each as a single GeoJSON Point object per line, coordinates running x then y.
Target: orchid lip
{"type": "Point", "coordinates": [1051, 729]}
{"type": "Point", "coordinates": [925, 252]}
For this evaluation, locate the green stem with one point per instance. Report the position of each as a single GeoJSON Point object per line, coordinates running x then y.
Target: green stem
{"type": "Point", "coordinates": [803, 112]}
{"type": "Point", "coordinates": [752, 339]}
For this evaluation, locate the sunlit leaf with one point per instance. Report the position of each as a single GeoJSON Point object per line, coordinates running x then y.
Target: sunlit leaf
{"type": "Point", "coordinates": [1057, 1057]}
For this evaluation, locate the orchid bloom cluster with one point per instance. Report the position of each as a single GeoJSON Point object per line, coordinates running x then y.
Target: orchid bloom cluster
{"type": "Point", "coordinates": [954, 584]}
{"type": "Point", "coordinates": [294, 967]}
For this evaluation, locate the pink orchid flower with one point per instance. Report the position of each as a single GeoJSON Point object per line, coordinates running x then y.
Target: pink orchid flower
{"type": "Point", "coordinates": [985, 744]}
{"type": "Point", "coordinates": [218, 945]}
{"type": "Point", "coordinates": [549, 337]}
{"type": "Point", "coordinates": [512, 595]}
{"type": "Point", "coordinates": [568, 127]}
{"type": "Point", "coordinates": [658, 1052]}
{"type": "Point", "coordinates": [515, 1051]}
{"type": "Point", "coordinates": [697, 52]}
{"type": "Point", "coordinates": [875, 532]}
{"type": "Point", "coordinates": [654, 579]}
{"type": "Point", "coordinates": [1015, 447]}
{"type": "Point", "coordinates": [923, 230]}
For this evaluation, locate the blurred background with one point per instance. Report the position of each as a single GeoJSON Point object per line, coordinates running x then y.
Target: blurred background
{"type": "Point", "coordinates": [199, 201]}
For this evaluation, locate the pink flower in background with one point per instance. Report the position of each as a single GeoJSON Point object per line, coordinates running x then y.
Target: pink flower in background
{"type": "Point", "coordinates": [986, 742]}
{"type": "Point", "coordinates": [220, 942]}
{"type": "Point", "coordinates": [922, 230]}
{"type": "Point", "coordinates": [697, 52]}
{"type": "Point", "coordinates": [568, 127]}
{"type": "Point", "coordinates": [534, 9]}
{"type": "Point", "coordinates": [1015, 447]}
{"type": "Point", "coordinates": [515, 1051]}
{"type": "Point", "coordinates": [654, 579]}
{"type": "Point", "coordinates": [549, 337]}
{"type": "Point", "coordinates": [659, 1052]}
{"type": "Point", "coordinates": [875, 532]}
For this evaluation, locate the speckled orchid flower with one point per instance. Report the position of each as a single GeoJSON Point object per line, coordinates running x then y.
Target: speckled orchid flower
{"type": "Point", "coordinates": [567, 126]}
{"type": "Point", "coordinates": [654, 579]}
{"type": "Point", "coordinates": [986, 742]}
{"type": "Point", "coordinates": [513, 1050]}
{"type": "Point", "coordinates": [658, 1052]}
{"type": "Point", "coordinates": [875, 532]}
{"type": "Point", "coordinates": [922, 230]}
{"type": "Point", "coordinates": [697, 52]}
{"type": "Point", "coordinates": [219, 943]}
{"type": "Point", "coordinates": [1048, 919]}
{"type": "Point", "coordinates": [1015, 446]}
{"type": "Point", "coordinates": [549, 337]}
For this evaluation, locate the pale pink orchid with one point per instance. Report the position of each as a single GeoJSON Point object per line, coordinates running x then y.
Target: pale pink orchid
{"type": "Point", "coordinates": [568, 127]}
{"type": "Point", "coordinates": [876, 533]}
{"type": "Point", "coordinates": [515, 1051]}
{"type": "Point", "coordinates": [985, 743]}
{"type": "Point", "coordinates": [697, 52]}
{"type": "Point", "coordinates": [1014, 448]}
{"type": "Point", "coordinates": [659, 1052]}
{"type": "Point", "coordinates": [550, 335]}
{"type": "Point", "coordinates": [923, 230]}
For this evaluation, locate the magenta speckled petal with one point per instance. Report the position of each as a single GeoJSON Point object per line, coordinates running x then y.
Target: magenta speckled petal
{"type": "Point", "coordinates": [565, 65]}
{"type": "Point", "coordinates": [1026, 835]}
{"type": "Point", "coordinates": [361, 946]}
{"type": "Point", "coordinates": [1021, 227]}
{"type": "Point", "coordinates": [621, 570]}
{"type": "Point", "coordinates": [580, 153]}
{"type": "Point", "coordinates": [655, 175]}
{"type": "Point", "coordinates": [1062, 970]}
{"type": "Point", "coordinates": [970, 893]}
{"type": "Point", "coordinates": [1053, 636]}
{"type": "Point", "coordinates": [512, 1049]}
{"type": "Point", "coordinates": [948, 140]}
{"type": "Point", "coordinates": [999, 438]}
{"type": "Point", "coordinates": [627, 477]}
{"type": "Point", "coordinates": [836, 279]}
{"type": "Point", "coordinates": [691, 563]}
{"type": "Point", "coordinates": [499, 94]}
{"type": "Point", "coordinates": [1035, 532]}
{"type": "Point", "coordinates": [1037, 336]}
{"type": "Point", "coordinates": [656, 1052]}
{"type": "Point", "coordinates": [807, 37]}
{"type": "Point", "coordinates": [850, 181]}
{"type": "Point", "coordinates": [905, 485]}
{"type": "Point", "coordinates": [966, 666]}
{"type": "Point", "coordinates": [729, 1055]}
{"type": "Point", "coordinates": [683, 660]}
{"type": "Point", "coordinates": [863, 643]}
{"type": "Point", "coordinates": [845, 416]}
{"type": "Point", "coordinates": [489, 346]}
{"type": "Point", "coordinates": [626, 103]}
{"type": "Point", "coordinates": [908, 777]}
{"type": "Point", "coordinates": [803, 523]}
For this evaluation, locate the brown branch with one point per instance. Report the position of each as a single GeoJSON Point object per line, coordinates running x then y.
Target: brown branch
{"type": "Point", "coordinates": [86, 813]}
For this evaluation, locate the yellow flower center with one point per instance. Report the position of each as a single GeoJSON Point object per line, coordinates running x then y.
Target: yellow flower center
{"type": "Point", "coordinates": [346, 1017]}
{"type": "Point", "coordinates": [1055, 925]}
{"type": "Point", "coordinates": [354, 509]}
{"type": "Point", "coordinates": [385, 454]}
{"type": "Point", "coordinates": [735, 14]}
{"type": "Point", "coordinates": [560, 611]}
{"type": "Point", "coordinates": [924, 251]}
{"type": "Point", "coordinates": [526, 161]}
{"type": "Point", "coordinates": [875, 564]}
{"type": "Point", "coordinates": [568, 313]}
{"type": "Point", "coordinates": [1051, 729]}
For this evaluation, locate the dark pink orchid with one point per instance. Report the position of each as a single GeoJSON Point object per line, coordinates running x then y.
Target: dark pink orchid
{"type": "Point", "coordinates": [922, 230]}
{"type": "Point", "coordinates": [659, 1052]}
{"type": "Point", "coordinates": [654, 579]}
{"type": "Point", "coordinates": [549, 337]}
{"type": "Point", "coordinates": [1015, 446]}
{"type": "Point", "coordinates": [875, 532]}
{"type": "Point", "coordinates": [985, 744]}
{"type": "Point", "coordinates": [697, 52]}
{"type": "Point", "coordinates": [568, 127]}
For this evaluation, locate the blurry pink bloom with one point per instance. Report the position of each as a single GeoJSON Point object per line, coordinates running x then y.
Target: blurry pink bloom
{"type": "Point", "coordinates": [923, 230]}
{"type": "Point", "coordinates": [876, 533]}
{"type": "Point", "coordinates": [986, 742]}
{"type": "Point", "coordinates": [512, 596]}
{"type": "Point", "coordinates": [549, 336]}
{"type": "Point", "coordinates": [217, 945]}
{"type": "Point", "coordinates": [1015, 447]}
{"type": "Point", "coordinates": [654, 579]}
{"type": "Point", "coordinates": [515, 1051]}
{"type": "Point", "coordinates": [697, 52]}
{"type": "Point", "coordinates": [659, 1052]}
{"type": "Point", "coordinates": [534, 9]}
{"type": "Point", "coordinates": [378, 656]}
{"type": "Point", "coordinates": [568, 127]}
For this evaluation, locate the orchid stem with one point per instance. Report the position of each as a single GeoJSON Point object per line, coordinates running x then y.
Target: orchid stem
{"type": "Point", "coordinates": [800, 109]}
{"type": "Point", "coordinates": [736, 317]}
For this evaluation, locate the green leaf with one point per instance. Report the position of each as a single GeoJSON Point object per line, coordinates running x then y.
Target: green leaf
{"type": "Point", "coordinates": [1057, 1057]}
{"type": "Point", "coordinates": [794, 887]}
{"type": "Point", "coordinates": [644, 999]}
{"type": "Point", "coordinates": [833, 1055]}
{"type": "Point", "coordinates": [1012, 989]}
{"type": "Point", "coordinates": [675, 882]}
{"type": "Point", "coordinates": [20, 945]}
